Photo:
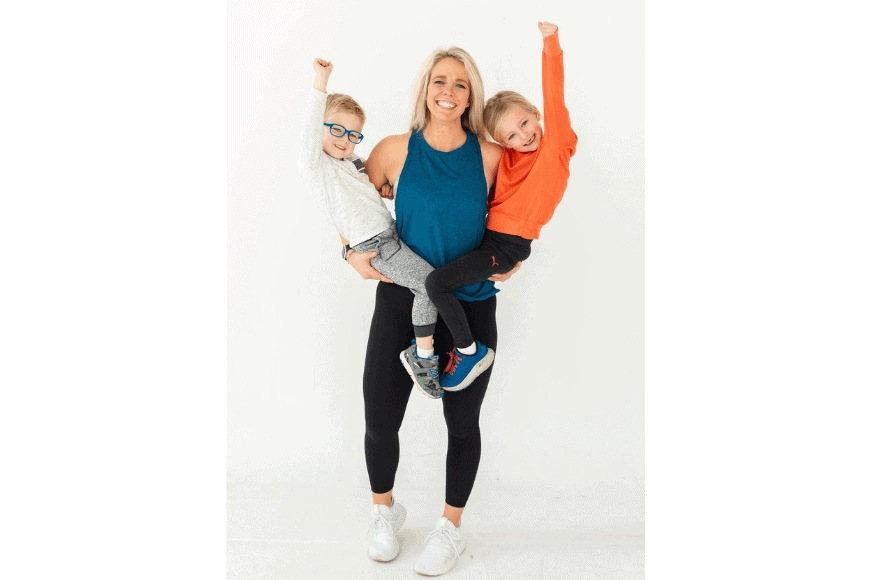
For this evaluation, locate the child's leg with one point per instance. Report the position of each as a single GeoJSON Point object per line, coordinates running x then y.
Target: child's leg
{"type": "Point", "coordinates": [470, 358]}
{"type": "Point", "coordinates": [497, 254]}
{"type": "Point", "coordinates": [476, 266]}
{"type": "Point", "coordinates": [406, 268]}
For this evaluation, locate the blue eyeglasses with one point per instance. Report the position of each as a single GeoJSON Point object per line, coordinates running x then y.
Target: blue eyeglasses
{"type": "Point", "coordinates": [338, 130]}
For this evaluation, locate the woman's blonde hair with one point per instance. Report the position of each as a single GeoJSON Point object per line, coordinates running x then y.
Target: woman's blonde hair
{"type": "Point", "coordinates": [472, 117]}
{"type": "Point", "coordinates": [497, 106]}
{"type": "Point", "coordinates": [339, 102]}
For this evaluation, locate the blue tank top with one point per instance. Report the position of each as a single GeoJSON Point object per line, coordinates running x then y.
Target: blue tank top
{"type": "Point", "coordinates": [441, 205]}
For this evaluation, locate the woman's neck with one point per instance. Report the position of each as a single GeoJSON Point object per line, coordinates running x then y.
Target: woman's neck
{"type": "Point", "coordinates": [444, 137]}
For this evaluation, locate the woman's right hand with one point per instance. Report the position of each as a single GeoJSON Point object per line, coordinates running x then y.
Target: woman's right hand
{"type": "Point", "coordinates": [360, 262]}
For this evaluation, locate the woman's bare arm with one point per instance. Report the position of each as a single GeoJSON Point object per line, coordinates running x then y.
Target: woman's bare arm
{"type": "Point", "coordinates": [385, 163]}
{"type": "Point", "coordinates": [490, 158]}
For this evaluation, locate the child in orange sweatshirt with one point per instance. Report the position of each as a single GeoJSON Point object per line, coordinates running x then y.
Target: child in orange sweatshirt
{"type": "Point", "coordinates": [532, 177]}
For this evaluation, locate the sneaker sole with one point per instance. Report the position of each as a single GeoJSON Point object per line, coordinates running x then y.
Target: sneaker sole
{"type": "Point", "coordinates": [415, 382]}
{"type": "Point", "coordinates": [479, 368]}
{"type": "Point", "coordinates": [385, 558]}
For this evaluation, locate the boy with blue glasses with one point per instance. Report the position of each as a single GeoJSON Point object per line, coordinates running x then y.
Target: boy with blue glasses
{"type": "Point", "coordinates": [337, 181]}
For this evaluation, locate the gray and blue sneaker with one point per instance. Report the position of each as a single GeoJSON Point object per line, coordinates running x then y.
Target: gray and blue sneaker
{"type": "Point", "coordinates": [424, 371]}
{"type": "Point", "coordinates": [462, 369]}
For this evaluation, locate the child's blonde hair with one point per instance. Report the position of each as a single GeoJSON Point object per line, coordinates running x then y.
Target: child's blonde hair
{"type": "Point", "coordinates": [471, 118]}
{"type": "Point", "coordinates": [339, 102]}
{"type": "Point", "coordinates": [496, 108]}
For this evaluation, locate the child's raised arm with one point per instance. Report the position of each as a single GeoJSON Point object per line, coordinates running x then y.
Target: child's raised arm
{"type": "Point", "coordinates": [556, 113]}
{"type": "Point", "coordinates": [311, 147]}
{"type": "Point", "coordinates": [323, 68]}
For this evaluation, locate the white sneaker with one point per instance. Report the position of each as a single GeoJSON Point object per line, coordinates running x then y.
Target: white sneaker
{"type": "Point", "coordinates": [444, 546]}
{"type": "Point", "coordinates": [386, 522]}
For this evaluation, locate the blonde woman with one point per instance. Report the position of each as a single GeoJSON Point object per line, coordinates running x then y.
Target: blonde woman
{"type": "Point", "coordinates": [440, 173]}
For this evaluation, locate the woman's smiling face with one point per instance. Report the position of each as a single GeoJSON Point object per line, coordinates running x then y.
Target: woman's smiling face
{"type": "Point", "coordinates": [448, 90]}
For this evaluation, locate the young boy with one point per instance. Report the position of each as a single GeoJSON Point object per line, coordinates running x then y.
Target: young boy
{"type": "Point", "coordinates": [532, 177]}
{"type": "Point", "coordinates": [337, 180]}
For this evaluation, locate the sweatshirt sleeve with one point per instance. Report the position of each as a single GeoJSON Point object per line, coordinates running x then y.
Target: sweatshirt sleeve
{"type": "Point", "coordinates": [309, 164]}
{"type": "Point", "coordinates": [556, 113]}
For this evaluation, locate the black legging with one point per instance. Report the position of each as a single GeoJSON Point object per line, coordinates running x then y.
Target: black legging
{"type": "Point", "coordinates": [497, 254]}
{"type": "Point", "coordinates": [387, 386]}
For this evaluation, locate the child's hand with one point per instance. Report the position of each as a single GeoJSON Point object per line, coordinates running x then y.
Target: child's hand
{"type": "Point", "coordinates": [547, 29]}
{"type": "Point", "coordinates": [322, 67]}
{"type": "Point", "coordinates": [387, 191]}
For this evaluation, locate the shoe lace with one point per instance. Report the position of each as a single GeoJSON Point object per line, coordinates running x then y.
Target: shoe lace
{"type": "Point", "coordinates": [433, 372]}
{"type": "Point", "coordinates": [445, 537]}
{"type": "Point", "coordinates": [379, 523]}
{"type": "Point", "coordinates": [453, 359]}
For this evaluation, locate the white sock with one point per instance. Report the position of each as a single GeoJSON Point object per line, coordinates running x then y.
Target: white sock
{"type": "Point", "coordinates": [468, 350]}
{"type": "Point", "coordinates": [424, 353]}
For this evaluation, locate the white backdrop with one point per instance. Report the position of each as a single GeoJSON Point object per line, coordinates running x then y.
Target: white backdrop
{"type": "Point", "coordinates": [565, 404]}
{"type": "Point", "coordinates": [113, 327]}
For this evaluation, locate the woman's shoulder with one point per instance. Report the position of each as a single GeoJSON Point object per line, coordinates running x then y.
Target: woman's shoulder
{"type": "Point", "coordinates": [392, 142]}
{"type": "Point", "coordinates": [388, 156]}
{"type": "Point", "coordinates": [490, 152]}
{"type": "Point", "coordinates": [490, 159]}
{"type": "Point", "coordinates": [391, 147]}
{"type": "Point", "coordinates": [490, 147]}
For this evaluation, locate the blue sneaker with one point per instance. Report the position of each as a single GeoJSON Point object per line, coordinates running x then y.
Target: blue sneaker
{"type": "Point", "coordinates": [424, 371]}
{"type": "Point", "coordinates": [462, 369]}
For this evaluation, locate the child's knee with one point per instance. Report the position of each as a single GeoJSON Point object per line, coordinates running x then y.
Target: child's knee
{"type": "Point", "coordinates": [433, 283]}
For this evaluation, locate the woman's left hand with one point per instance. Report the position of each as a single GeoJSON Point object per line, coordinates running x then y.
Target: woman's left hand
{"type": "Point", "coordinates": [506, 276]}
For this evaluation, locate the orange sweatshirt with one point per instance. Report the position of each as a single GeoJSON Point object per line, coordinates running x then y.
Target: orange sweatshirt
{"type": "Point", "coordinates": [530, 185]}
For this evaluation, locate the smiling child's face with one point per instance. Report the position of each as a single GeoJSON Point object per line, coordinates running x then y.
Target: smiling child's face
{"type": "Point", "coordinates": [520, 130]}
{"type": "Point", "coordinates": [341, 147]}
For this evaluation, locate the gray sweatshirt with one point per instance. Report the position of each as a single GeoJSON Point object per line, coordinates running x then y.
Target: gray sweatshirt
{"type": "Point", "coordinates": [339, 187]}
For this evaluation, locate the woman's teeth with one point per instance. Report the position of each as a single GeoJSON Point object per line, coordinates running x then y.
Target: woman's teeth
{"type": "Point", "coordinates": [445, 105]}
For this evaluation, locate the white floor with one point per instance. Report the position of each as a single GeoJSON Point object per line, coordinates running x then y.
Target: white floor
{"type": "Point", "coordinates": [317, 530]}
